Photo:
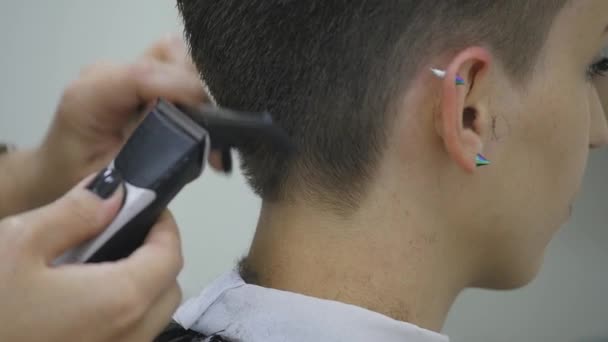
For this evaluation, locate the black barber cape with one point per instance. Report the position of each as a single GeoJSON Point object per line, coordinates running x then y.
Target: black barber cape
{"type": "Point", "coordinates": [176, 333]}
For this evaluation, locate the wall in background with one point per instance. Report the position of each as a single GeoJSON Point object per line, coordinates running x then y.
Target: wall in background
{"type": "Point", "coordinates": [45, 44]}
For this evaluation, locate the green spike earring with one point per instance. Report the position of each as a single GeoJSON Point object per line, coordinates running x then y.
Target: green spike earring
{"type": "Point", "coordinates": [481, 161]}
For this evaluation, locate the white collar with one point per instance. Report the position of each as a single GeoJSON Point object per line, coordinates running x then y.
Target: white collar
{"type": "Point", "coordinates": [242, 312]}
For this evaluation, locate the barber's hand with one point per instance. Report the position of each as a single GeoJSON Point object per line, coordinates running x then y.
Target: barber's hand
{"type": "Point", "coordinates": [129, 300]}
{"type": "Point", "coordinates": [99, 111]}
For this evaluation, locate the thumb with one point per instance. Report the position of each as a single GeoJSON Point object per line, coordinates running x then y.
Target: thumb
{"type": "Point", "coordinates": [78, 216]}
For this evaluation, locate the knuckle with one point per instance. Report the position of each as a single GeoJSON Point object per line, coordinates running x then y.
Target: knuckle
{"type": "Point", "coordinates": [95, 68]}
{"type": "Point", "coordinates": [179, 261]}
{"type": "Point", "coordinates": [14, 230]}
{"type": "Point", "coordinates": [171, 246]}
{"type": "Point", "coordinates": [136, 304]}
{"type": "Point", "coordinates": [72, 91]}
{"type": "Point", "coordinates": [141, 69]}
{"type": "Point", "coordinates": [166, 42]}
{"type": "Point", "coordinates": [87, 74]}
{"type": "Point", "coordinates": [167, 46]}
{"type": "Point", "coordinates": [178, 295]}
{"type": "Point", "coordinates": [127, 306]}
{"type": "Point", "coordinates": [177, 256]}
{"type": "Point", "coordinates": [12, 222]}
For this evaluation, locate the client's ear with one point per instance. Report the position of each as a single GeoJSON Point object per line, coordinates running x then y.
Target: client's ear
{"type": "Point", "coordinates": [463, 115]}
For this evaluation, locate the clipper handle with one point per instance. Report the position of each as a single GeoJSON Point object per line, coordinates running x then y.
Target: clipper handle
{"type": "Point", "coordinates": [126, 231]}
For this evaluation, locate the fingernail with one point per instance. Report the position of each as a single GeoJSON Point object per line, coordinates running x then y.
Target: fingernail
{"type": "Point", "coordinates": [105, 183]}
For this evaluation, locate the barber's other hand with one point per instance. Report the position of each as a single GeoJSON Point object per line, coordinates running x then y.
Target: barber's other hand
{"type": "Point", "coordinates": [100, 109]}
{"type": "Point", "coordinates": [129, 300]}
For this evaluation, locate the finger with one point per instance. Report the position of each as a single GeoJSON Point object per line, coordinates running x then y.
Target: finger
{"type": "Point", "coordinates": [113, 95]}
{"type": "Point", "coordinates": [107, 299]}
{"type": "Point", "coordinates": [154, 79]}
{"type": "Point", "coordinates": [77, 216]}
{"type": "Point", "coordinates": [155, 265]}
{"type": "Point", "coordinates": [221, 160]}
{"type": "Point", "coordinates": [171, 49]}
{"type": "Point", "coordinates": [108, 91]}
{"type": "Point", "coordinates": [126, 290]}
{"type": "Point", "coordinates": [215, 160]}
{"type": "Point", "coordinates": [157, 318]}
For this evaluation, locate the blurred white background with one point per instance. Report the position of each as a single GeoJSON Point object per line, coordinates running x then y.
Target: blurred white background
{"type": "Point", "coordinates": [44, 45]}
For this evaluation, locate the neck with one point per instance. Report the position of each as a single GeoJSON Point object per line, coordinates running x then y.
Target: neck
{"type": "Point", "coordinates": [402, 266]}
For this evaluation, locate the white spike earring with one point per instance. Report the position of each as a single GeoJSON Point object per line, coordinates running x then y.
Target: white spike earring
{"type": "Point", "coordinates": [441, 74]}
{"type": "Point", "coordinates": [480, 160]}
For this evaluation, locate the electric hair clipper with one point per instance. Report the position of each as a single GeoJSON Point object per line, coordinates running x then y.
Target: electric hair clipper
{"type": "Point", "coordinates": [167, 151]}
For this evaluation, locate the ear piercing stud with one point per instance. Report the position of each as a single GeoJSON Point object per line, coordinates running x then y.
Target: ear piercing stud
{"type": "Point", "coordinates": [481, 161]}
{"type": "Point", "coordinates": [441, 74]}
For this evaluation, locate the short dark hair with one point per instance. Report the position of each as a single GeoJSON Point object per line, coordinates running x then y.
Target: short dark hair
{"type": "Point", "coordinates": [328, 70]}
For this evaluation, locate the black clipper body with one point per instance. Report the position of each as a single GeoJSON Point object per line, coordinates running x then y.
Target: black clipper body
{"type": "Point", "coordinates": [168, 150]}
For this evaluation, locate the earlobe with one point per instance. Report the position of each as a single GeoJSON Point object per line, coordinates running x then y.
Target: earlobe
{"type": "Point", "coordinates": [461, 112]}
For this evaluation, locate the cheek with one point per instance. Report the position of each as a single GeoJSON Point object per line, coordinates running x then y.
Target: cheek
{"type": "Point", "coordinates": [540, 163]}
{"type": "Point", "coordinates": [545, 153]}
{"type": "Point", "coordinates": [564, 141]}
{"type": "Point", "coordinates": [557, 143]}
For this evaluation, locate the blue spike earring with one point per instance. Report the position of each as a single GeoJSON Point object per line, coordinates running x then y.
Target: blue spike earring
{"type": "Point", "coordinates": [480, 160]}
